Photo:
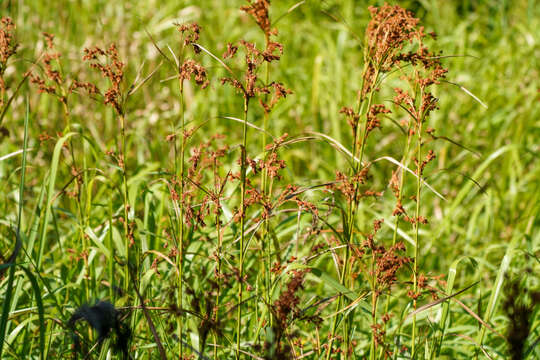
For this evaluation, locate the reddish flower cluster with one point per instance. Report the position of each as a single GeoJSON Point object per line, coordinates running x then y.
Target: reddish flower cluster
{"type": "Point", "coordinates": [389, 262]}
{"type": "Point", "coordinates": [87, 86]}
{"type": "Point", "coordinates": [191, 68]}
{"type": "Point", "coordinates": [52, 80]}
{"type": "Point", "coordinates": [113, 69]}
{"type": "Point", "coordinates": [280, 92]}
{"type": "Point", "coordinates": [259, 10]}
{"type": "Point", "coordinates": [277, 142]}
{"type": "Point", "coordinates": [424, 287]}
{"type": "Point", "coordinates": [230, 52]}
{"type": "Point", "coordinates": [272, 165]}
{"type": "Point", "coordinates": [42, 85]}
{"type": "Point", "coordinates": [190, 33]}
{"type": "Point", "coordinates": [8, 47]}
{"type": "Point", "coordinates": [387, 32]}
{"type": "Point", "coordinates": [421, 166]}
{"type": "Point", "coordinates": [253, 59]}
{"type": "Point", "coordinates": [130, 229]}
{"type": "Point", "coordinates": [49, 38]}
{"type": "Point", "coordinates": [352, 118]}
{"type": "Point", "coordinates": [349, 185]}
{"type": "Point", "coordinates": [372, 120]}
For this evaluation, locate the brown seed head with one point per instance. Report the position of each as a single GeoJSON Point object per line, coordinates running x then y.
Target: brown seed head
{"type": "Point", "coordinates": [190, 33]}
{"type": "Point", "coordinates": [108, 63]}
{"type": "Point", "coordinates": [259, 10]}
{"type": "Point", "coordinates": [190, 68]}
{"type": "Point", "coordinates": [8, 46]}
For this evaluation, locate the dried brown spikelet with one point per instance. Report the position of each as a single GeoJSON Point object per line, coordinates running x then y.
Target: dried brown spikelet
{"type": "Point", "coordinates": [277, 142]}
{"type": "Point", "coordinates": [8, 48]}
{"type": "Point", "coordinates": [52, 75]}
{"type": "Point", "coordinates": [352, 117]}
{"type": "Point", "coordinates": [269, 54]}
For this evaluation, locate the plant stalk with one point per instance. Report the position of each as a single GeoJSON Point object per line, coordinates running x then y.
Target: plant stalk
{"type": "Point", "coordinates": [242, 229]}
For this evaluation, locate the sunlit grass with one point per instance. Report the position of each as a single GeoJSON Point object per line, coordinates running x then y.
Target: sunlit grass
{"type": "Point", "coordinates": [76, 187]}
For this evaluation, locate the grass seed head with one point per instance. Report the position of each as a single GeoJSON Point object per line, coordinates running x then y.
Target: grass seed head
{"type": "Point", "coordinates": [108, 63]}
{"type": "Point", "coordinates": [8, 46]}
{"type": "Point", "coordinates": [259, 10]}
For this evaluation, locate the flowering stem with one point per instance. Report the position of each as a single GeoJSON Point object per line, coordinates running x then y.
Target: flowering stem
{"type": "Point", "coordinates": [417, 226]}
{"type": "Point", "coordinates": [218, 280]}
{"type": "Point", "coordinates": [353, 215]}
{"type": "Point", "coordinates": [266, 247]}
{"type": "Point", "coordinates": [180, 222]}
{"type": "Point", "coordinates": [242, 228]}
{"type": "Point", "coordinates": [83, 237]}
{"type": "Point", "coordinates": [374, 299]}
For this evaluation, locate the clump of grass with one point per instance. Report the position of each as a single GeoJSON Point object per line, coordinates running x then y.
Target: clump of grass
{"type": "Point", "coordinates": [394, 43]}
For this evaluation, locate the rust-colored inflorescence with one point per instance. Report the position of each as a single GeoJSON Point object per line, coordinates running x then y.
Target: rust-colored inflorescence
{"type": "Point", "coordinates": [259, 10]}
{"type": "Point", "coordinates": [190, 68]}
{"type": "Point", "coordinates": [388, 31]}
{"type": "Point", "coordinates": [51, 81]}
{"type": "Point", "coordinates": [190, 33]}
{"type": "Point", "coordinates": [8, 46]}
{"type": "Point", "coordinates": [251, 86]}
{"type": "Point", "coordinates": [109, 64]}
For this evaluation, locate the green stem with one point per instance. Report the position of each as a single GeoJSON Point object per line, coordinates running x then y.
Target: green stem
{"type": "Point", "coordinates": [218, 280]}
{"type": "Point", "coordinates": [374, 299]}
{"type": "Point", "coordinates": [396, 226]}
{"type": "Point", "coordinates": [242, 229]}
{"type": "Point", "coordinates": [417, 226]}
{"type": "Point", "coordinates": [265, 247]}
{"type": "Point", "coordinates": [111, 260]}
{"type": "Point", "coordinates": [180, 222]}
{"type": "Point", "coordinates": [126, 201]}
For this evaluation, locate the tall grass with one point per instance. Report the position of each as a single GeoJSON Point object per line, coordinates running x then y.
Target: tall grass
{"type": "Point", "coordinates": [199, 176]}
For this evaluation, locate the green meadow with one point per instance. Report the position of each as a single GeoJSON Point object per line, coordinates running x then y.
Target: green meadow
{"type": "Point", "coordinates": [269, 179]}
